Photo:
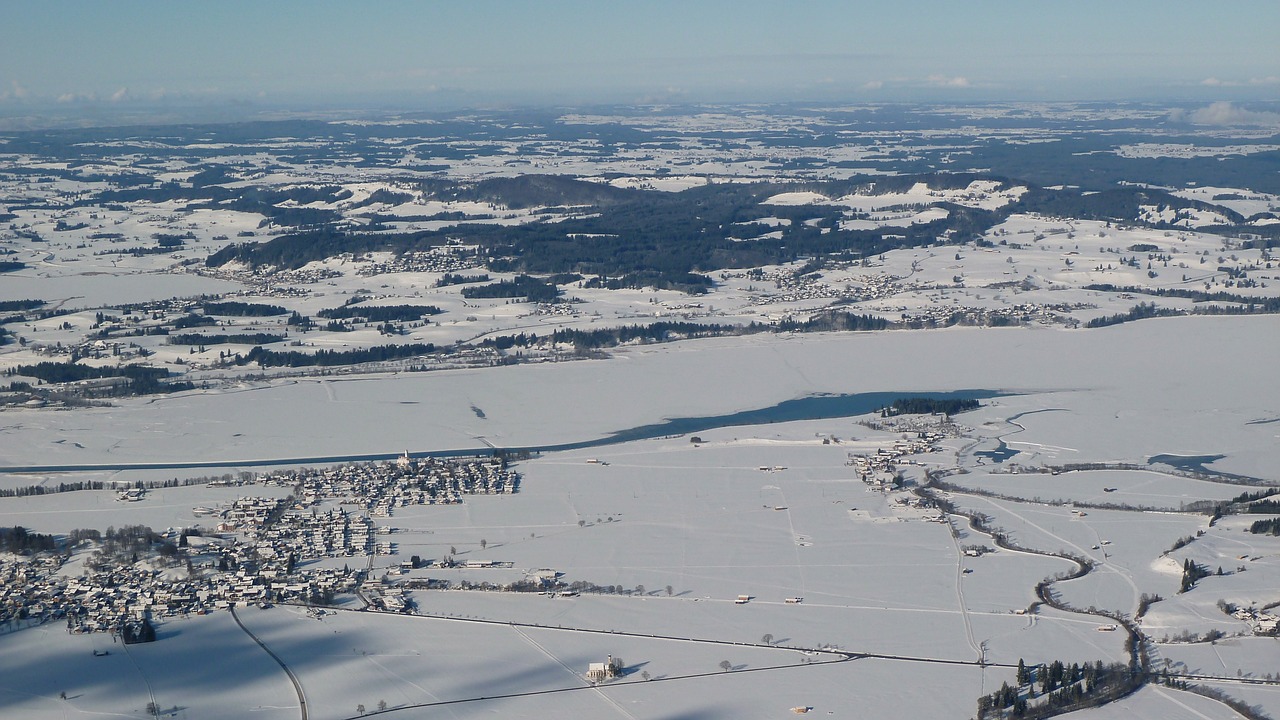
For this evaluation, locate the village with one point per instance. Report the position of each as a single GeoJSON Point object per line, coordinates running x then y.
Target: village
{"type": "Point", "coordinates": [260, 550]}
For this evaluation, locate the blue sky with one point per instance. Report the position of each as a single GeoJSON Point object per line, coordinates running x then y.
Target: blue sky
{"type": "Point", "coordinates": [424, 55]}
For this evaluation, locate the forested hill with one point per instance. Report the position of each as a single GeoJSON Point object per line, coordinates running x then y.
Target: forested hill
{"type": "Point", "coordinates": [651, 238]}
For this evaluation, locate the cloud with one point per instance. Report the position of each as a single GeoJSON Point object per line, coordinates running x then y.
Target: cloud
{"type": "Point", "coordinates": [119, 95]}
{"type": "Point", "coordinates": [77, 97]}
{"type": "Point", "coordinates": [949, 82]}
{"type": "Point", "coordinates": [1226, 114]}
{"type": "Point", "coordinates": [1251, 82]}
{"type": "Point", "coordinates": [19, 92]}
{"type": "Point", "coordinates": [872, 85]}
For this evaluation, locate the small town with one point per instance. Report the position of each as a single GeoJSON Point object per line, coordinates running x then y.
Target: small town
{"type": "Point", "coordinates": [258, 550]}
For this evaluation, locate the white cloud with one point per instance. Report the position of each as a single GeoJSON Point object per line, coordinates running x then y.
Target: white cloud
{"type": "Point", "coordinates": [950, 82]}
{"type": "Point", "coordinates": [119, 95]}
{"type": "Point", "coordinates": [1225, 113]}
{"type": "Point", "coordinates": [1216, 82]}
{"type": "Point", "coordinates": [19, 91]}
{"type": "Point", "coordinates": [872, 85]}
{"type": "Point", "coordinates": [77, 97]}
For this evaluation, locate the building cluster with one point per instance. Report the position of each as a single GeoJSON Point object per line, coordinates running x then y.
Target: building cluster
{"type": "Point", "coordinates": [268, 282]}
{"type": "Point", "coordinates": [310, 535]}
{"type": "Point", "coordinates": [921, 434]}
{"type": "Point", "coordinates": [942, 315]}
{"type": "Point", "coordinates": [110, 599]}
{"type": "Point", "coordinates": [559, 308]}
{"type": "Point", "coordinates": [255, 551]}
{"type": "Point", "coordinates": [441, 260]}
{"type": "Point", "coordinates": [793, 287]}
{"type": "Point", "coordinates": [249, 514]}
{"type": "Point", "coordinates": [24, 591]}
{"type": "Point", "coordinates": [1263, 622]}
{"type": "Point", "coordinates": [379, 488]}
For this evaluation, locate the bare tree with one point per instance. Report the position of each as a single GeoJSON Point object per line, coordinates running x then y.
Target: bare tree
{"type": "Point", "coordinates": [725, 665]}
{"type": "Point", "coordinates": [382, 705]}
{"type": "Point", "coordinates": [360, 709]}
{"type": "Point", "coordinates": [767, 639]}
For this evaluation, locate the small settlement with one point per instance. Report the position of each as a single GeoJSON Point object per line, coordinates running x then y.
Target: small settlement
{"type": "Point", "coordinates": [258, 549]}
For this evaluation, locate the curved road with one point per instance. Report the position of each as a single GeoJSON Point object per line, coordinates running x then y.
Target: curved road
{"type": "Point", "coordinates": [297, 686]}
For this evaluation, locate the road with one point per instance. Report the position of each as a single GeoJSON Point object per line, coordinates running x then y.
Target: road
{"type": "Point", "coordinates": [297, 686]}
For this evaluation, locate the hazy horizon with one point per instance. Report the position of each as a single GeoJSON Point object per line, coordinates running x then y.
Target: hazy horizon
{"type": "Point", "coordinates": [238, 60]}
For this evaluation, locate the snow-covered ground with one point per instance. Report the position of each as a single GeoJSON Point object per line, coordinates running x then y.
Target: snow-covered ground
{"type": "Point", "coordinates": [704, 519]}
{"type": "Point", "coordinates": [679, 529]}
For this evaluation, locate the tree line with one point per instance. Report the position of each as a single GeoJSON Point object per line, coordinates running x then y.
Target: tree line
{"type": "Point", "coordinates": [1059, 688]}
{"type": "Point", "coordinates": [293, 358]}
{"type": "Point", "coordinates": [243, 309]}
{"type": "Point", "coordinates": [20, 541]}
{"type": "Point", "coordinates": [928, 406]}
{"type": "Point", "coordinates": [232, 339]}
{"type": "Point", "coordinates": [380, 313]}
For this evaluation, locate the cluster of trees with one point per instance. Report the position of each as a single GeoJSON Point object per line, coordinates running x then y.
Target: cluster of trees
{"type": "Point", "coordinates": [1138, 312]}
{"type": "Point", "coordinates": [928, 406]}
{"type": "Point", "coordinates": [691, 283]}
{"type": "Point", "coordinates": [834, 321]}
{"type": "Point", "coordinates": [29, 490]}
{"type": "Point", "coordinates": [1115, 204]}
{"type": "Point", "coordinates": [293, 250]}
{"type": "Point", "coordinates": [1248, 497]}
{"type": "Point", "coordinates": [232, 339]}
{"type": "Point", "coordinates": [1248, 304]}
{"type": "Point", "coordinates": [251, 200]}
{"type": "Point", "coordinates": [1263, 506]}
{"type": "Point", "coordinates": [243, 309]}
{"type": "Point", "coordinates": [139, 379]}
{"type": "Point", "coordinates": [525, 286]}
{"type": "Point", "coordinates": [19, 540]}
{"type": "Point", "coordinates": [1063, 688]}
{"type": "Point", "coordinates": [192, 320]}
{"type": "Point", "coordinates": [656, 332]}
{"type": "Point", "coordinates": [141, 631]}
{"type": "Point", "coordinates": [670, 330]}
{"type": "Point", "coordinates": [1192, 573]}
{"type": "Point", "coordinates": [293, 358]}
{"type": "Point", "coordinates": [1270, 526]}
{"type": "Point", "coordinates": [380, 313]}
{"type": "Point", "coordinates": [455, 279]}
{"type": "Point", "coordinates": [19, 305]}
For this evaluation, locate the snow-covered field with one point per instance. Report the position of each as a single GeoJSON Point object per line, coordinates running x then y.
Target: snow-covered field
{"type": "Point", "coordinates": [705, 520]}
{"type": "Point", "coordinates": [1136, 488]}
{"type": "Point", "coordinates": [856, 597]}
